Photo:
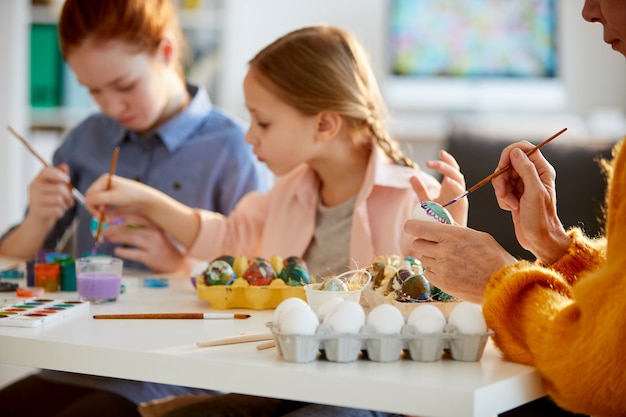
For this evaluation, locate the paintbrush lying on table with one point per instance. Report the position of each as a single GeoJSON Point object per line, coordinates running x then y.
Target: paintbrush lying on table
{"type": "Point", "coordinates": [178, 316]}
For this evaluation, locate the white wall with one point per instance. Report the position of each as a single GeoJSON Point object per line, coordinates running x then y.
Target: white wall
{"type": "Point", "coordinates": [14, 98]}
{"type": "Point", "coordinates": [593, 74]}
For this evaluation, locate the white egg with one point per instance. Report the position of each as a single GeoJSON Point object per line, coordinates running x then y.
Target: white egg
{"type": "Point", "coordinates": [468, 318]}
{"type": "Point", "coordinates": [429, 210]}
{"type": "Point", "coordinates": [427, 319]}
{"type": "Point", "coordinates": [300, 320]}
{"type": "Point", "coordinates": [346, 318]}
{"type": "Point", "coordinates": [286, 305]}
{"type": "Point", "coordinates": [328, 306]}
{"type": "Point", "coordinates": [386, 319]}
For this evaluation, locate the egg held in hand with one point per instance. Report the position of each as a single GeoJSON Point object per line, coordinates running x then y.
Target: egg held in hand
{"type": "Point", "coordinates": [429, 210]}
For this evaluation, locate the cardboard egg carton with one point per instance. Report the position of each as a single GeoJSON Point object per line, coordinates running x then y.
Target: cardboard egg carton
{"type": "Point", "coordinates": [378, 347]}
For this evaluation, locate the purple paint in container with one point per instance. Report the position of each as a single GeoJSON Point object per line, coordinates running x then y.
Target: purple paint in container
{"type": "Point", "coordinates": [98, 278]}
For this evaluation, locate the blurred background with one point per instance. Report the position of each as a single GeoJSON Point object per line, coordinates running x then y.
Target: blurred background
{"type": "Point", "coordinates": [505, 70]}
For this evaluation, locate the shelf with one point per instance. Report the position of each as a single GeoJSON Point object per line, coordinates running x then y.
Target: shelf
{"type": "Point", "coordinates": [58, 118]}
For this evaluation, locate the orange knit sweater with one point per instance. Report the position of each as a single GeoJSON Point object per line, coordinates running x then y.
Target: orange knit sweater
{"type": "Point", "coordinates": [569, 319]}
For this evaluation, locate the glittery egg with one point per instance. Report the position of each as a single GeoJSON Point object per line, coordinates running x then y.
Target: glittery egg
{"type": "Point", "coordinates": [219, 273]}
{"type": "Point", "coordinates": [429, 210]}
{"type": "Point", "coordinates": [259, 272]}
{"type": "Point", "coordinates": [295, 274]}
{"type": "Point", "coordinates": [416, 287]}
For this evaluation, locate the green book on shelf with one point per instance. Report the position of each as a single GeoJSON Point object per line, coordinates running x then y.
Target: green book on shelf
{"type": "Point", "coordinates": [45, 66]}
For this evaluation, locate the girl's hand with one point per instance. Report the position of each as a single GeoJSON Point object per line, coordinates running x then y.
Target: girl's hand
{"type": "Point", "coordinates": [144, 242]}
{"type": "Point", "coordinates": [452, 185]}
{"type": "Point", "coordinates": [457, 259]}
{"type": "Point", "coordinates": [124, 193]}
{"type": "Point", "coordinates": [528, 191]}
{"type": "Point", "coordinates": [49, 195]}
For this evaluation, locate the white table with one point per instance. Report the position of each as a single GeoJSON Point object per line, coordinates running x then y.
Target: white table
{"type": "Point", "coordinates": [165, 351]}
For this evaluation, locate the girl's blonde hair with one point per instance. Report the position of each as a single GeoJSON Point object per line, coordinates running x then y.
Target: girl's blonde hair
{"type": "Point", "coordinates": [323, 68]}
{"type": "Point", "coordinates": [141, 23]}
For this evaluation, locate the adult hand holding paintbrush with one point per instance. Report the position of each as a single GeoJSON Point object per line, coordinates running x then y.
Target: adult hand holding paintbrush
{"type": "Point", "coordinates": [460, 260]}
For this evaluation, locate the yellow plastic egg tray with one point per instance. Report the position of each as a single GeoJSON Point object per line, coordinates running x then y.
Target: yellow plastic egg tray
{"type": "Point", "coordinates": [243, 295]}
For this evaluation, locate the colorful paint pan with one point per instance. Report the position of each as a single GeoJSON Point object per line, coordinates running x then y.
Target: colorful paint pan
{"type": "Point", "coordinates": [36, 312]}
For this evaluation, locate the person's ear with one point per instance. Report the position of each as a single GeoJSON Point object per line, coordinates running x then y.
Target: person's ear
{"type": "Point", "coordinates": [328, 125]}
{"type": "Point", "coordinates": [166, 49]}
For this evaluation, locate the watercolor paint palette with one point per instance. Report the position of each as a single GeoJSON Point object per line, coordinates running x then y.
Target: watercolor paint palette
{"type": "Point", "coordinates": [35, 312]}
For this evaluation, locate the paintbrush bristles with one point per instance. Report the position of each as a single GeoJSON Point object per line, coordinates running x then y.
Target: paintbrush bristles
{"type": "Point", "coordinates": [502, 170]}
{"type": "Point", "coordinates": [112, 169]}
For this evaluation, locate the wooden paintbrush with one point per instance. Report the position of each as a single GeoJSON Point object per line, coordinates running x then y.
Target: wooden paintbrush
{"type": "Point", "coordinates": [116, 153]}
{"type": "Point", "coordinates": [75, 193]}
{"type": "Point", "coordinates": [178, 316]}
{"type": "Point", "coordinates": [501, 170]}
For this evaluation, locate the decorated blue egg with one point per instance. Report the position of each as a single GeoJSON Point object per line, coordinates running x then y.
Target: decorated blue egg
{"type": "Point", "coordinates": [219, 272]}
{"type": "Point", "coordinates": [334, 284]}
{"type": "Point", "coordinates": [259, 272]}
{"type": "Point", "coordinates": [295, 274]}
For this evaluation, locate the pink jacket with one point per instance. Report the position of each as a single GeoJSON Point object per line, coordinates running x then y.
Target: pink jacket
{"type": "Point", "coordinates": [282, 221]}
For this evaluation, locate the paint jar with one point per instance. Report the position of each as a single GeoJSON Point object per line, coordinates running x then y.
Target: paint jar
{"type": "Point", "coordinates": [68, 273]}
{"type": "Point", "coordinates": [47, 276]}
{"type": "Point", "coordinates": [98, 278]}
{"type": "Point", "coordinates": [30, 272]}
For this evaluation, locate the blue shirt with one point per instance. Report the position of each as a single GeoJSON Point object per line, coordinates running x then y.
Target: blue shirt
{"type": "Point", "coordinates": [198, 157]}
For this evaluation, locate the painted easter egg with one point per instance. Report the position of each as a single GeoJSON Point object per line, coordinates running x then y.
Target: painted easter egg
{"type": "Point", "coordinates": [334, 284]}
{"type": "Point", "coordinates": [295, 274]}
{"type": "Point", "coordinates": [227, 258]}
{"type": "Point", "coordinates": [219, 272]}
{"type": "Point", "coordinates": [294, 259]}
{"type": "Point", "coordinates": [259, 272]}
{"type": "Point", "coordinates": [397, 280]}
{"type": "Point", "coordinates": [429, 210]}
{"type": "Point", "coordinates": [415, 288]}
{"type": "Point", "coordinates": [438, 295]}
